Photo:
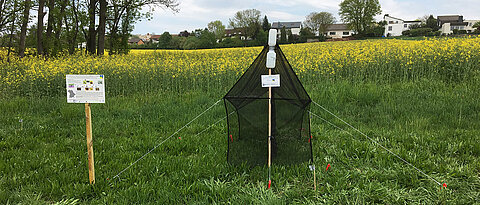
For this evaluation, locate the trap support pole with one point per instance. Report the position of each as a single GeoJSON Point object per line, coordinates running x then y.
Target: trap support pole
{"type": "Point", "coordinates": [91, 168]}
{"type": "Point", "coordinates": [270, 64]}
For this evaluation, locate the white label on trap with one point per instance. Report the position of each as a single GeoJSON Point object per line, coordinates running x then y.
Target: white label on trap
{"type": "Point", "coordinates": [270, 81]}
{"type": "Point", "coordinates": [85, 89]}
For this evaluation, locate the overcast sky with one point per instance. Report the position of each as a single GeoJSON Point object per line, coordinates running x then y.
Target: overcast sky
{"type": "Point", "coordinates": [195, 14]}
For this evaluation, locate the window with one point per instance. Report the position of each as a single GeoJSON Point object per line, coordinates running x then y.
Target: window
{"type": "Point", "coordinates": [396, 21]}
{"type": "Point", "coordinates": [405, 25]}
{"type": "Point", "coordinates": [333, 33]}
{"type": "Point", "coordinates": [390, 28]}
{"type": "Point", "coordinates": [470, 24]}
{"type": "Point", "coordinates": [390, 22]}
{"type": "Point", "coordinates": [346, 33]}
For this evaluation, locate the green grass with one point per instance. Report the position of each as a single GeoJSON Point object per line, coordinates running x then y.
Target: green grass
{"type": "Point", "coordinates": [433, 125]}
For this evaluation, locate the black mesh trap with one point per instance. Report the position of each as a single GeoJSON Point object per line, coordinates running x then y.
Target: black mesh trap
{"type": "Point", "coordinates": [247, 116]}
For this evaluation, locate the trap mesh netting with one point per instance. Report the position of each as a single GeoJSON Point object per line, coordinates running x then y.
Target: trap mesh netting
{"type": "Point", "coordinates": [247, 116]}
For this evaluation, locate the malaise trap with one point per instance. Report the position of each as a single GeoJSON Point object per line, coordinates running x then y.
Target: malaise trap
{"type": "Point", "coordinates": [250, 120]}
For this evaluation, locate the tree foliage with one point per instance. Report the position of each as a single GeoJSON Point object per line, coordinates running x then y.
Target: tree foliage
{"type": "Point", "coordinates": [318, 22]}
{"type": "Point", "coordinates": [265, 24]}
{"type": "Point", "coordinates": [61, 26]}
{"type": "Point", "coordinates": [432, 23]}
{"type": "Point", "coordinates": [217, 28]}
{"type": "Point", "coordinates": [247, 20]}
{"type": "Point", "coordinates": [359, 14]}
{"type": "Point", "coordinates": [283, 35]}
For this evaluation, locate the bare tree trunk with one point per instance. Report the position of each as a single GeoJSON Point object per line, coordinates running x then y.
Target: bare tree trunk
{"type": "Point", "coordinates": [41, 5]}
{"type": "Point", "coordinates": [51, 21]}
{"type": "Point", "coordinates": [91, 42]}
{"type": "Point", "coordinates": [58, 30]}
{"type": "Point", "coordinates": [75, 33]}
{"type": "Point", "coordinates": [23, 30]}
{"type": "Point", "coordinates": [101, 27]}
{"type": "Point", "coordinates": [12, 29]}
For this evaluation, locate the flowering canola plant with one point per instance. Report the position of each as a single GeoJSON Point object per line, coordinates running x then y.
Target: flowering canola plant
{"type": "Point", "coordinates": [448, 59]}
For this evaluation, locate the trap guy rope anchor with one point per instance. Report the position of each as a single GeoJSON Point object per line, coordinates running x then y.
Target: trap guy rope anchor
{"type": "Point", "coordinates": [371, 139]}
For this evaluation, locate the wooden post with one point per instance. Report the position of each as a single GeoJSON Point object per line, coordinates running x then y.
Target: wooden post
{"type": "Point", "coordinates": [91, 168]}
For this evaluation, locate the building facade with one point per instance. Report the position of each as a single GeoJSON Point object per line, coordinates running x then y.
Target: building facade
{"type": "Point", "coordinates": [338, 31]}
{"type": "Point", "coordinates": [396, 26]}
{"type": "Point", "coordinates": [294, 27]}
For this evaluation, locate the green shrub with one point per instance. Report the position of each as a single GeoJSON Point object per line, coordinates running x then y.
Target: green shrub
{"type": "Point", "coordinates": [420, 32]}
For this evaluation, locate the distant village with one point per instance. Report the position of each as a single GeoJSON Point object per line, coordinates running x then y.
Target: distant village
{"type": "Point", "coordinates": [297, 32]}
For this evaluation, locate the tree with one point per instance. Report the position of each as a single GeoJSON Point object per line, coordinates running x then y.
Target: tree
{"type": "Point", "coordinates": [290, 36]}
{"type": "Point", "coordinates": [432, 23]}
{"type": "Point", "coordinates": [318, 22]}
{"type": "Point", "coordinates": [283, 35]}
{"type": "Point", "coordinates": [217, 28]}
{"type": "Point", "coordinates": [306, 33]}
{"type": "Point", "coordinates": [101, 27]}
{"type": "Point", "coordinates": [206, 39]}
{"type": "Point", "coordinates": [92, 33]}
{"type": "Point", "coordinates": [266, 25]}
{"type": "Point", "coordinates": [476, 25]}
{"type": "Point", "coordinates": [359, 13]}
{"type": "Point", "coordinates": [123, 14]}
{"type": "Point", "coordinates": [23, 29]}
{"type": "Point", "coordinates": [247, 20]}
{"type": "Point", "coordinates": [40, 15]}
{"type": "Point", "coordinates": [164, 40]}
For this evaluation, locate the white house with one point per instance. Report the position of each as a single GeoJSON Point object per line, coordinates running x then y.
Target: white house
{"type": "Point", "coordinates": [449, 23]}
{"type": "Point", "coordinates": [338, 31]}
{"type": "Point", "coordinates": [396, 26]}
{"type": "Point", "coordinates": [469, 27]}
{"type": "Point", "coordinates": [294, 27]}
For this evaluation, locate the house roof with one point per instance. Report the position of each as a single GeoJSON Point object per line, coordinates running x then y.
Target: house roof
{"type": "Point", "coordinates": [134, 40]}
{"type": "Point", "coordinates": [338, 27]}
{"type": "Point", "coordinates": [233, 31]}
{"type": "Point", "coordinates": [450, 18]}
{"type": "Point", "coordinates": [392, 17]}
{"type": "Point", "coordinates": [155, 37]}
{"type": "Point", "coordinates": [279, 25]}
{"type": "Point", "coordinates": [412, 21]}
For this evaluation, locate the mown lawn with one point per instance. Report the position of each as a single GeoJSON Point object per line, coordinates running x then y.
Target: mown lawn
{"type": "Point", "coordinates": [433, 125]}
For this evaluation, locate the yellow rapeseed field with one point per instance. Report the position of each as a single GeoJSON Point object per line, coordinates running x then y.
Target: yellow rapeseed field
{"type": "Point", "coordinates": [449, 59]}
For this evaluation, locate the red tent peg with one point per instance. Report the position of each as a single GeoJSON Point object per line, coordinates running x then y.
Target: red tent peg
{"type": "Point", "coordinates": [269, 183]}
{"type": "Point", "coordinates": [231, 138]}
{"type": "Point", "coordinates": [444, 185]}
{"type": "Point", "coordinates": [328, 166]}
{"type": "Point", "coordinates": [179, 138]}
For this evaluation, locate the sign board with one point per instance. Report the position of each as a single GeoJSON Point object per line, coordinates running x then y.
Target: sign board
{"type": "Point", "coordinates": [270, 81]}
{"type": "Point", "coordinates": [85, 89]}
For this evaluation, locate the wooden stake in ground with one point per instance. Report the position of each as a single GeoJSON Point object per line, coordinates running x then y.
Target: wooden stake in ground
{"type": "Point", "coordinates": [91, 168]}
{"type": "Point", "coordinates": [269, 129]}
{"type": "Point", "coordinates": [270, 64]}
{"type": "Point", "coordinates": [86, 89]}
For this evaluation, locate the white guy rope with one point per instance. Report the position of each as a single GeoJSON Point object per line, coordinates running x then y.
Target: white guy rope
{"type": "Point", "coordinates": [213, 124]}
{"type": "Point", "coordinates": [374, 141]}
{"type": "Point", "coordinates": [156, 146]}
